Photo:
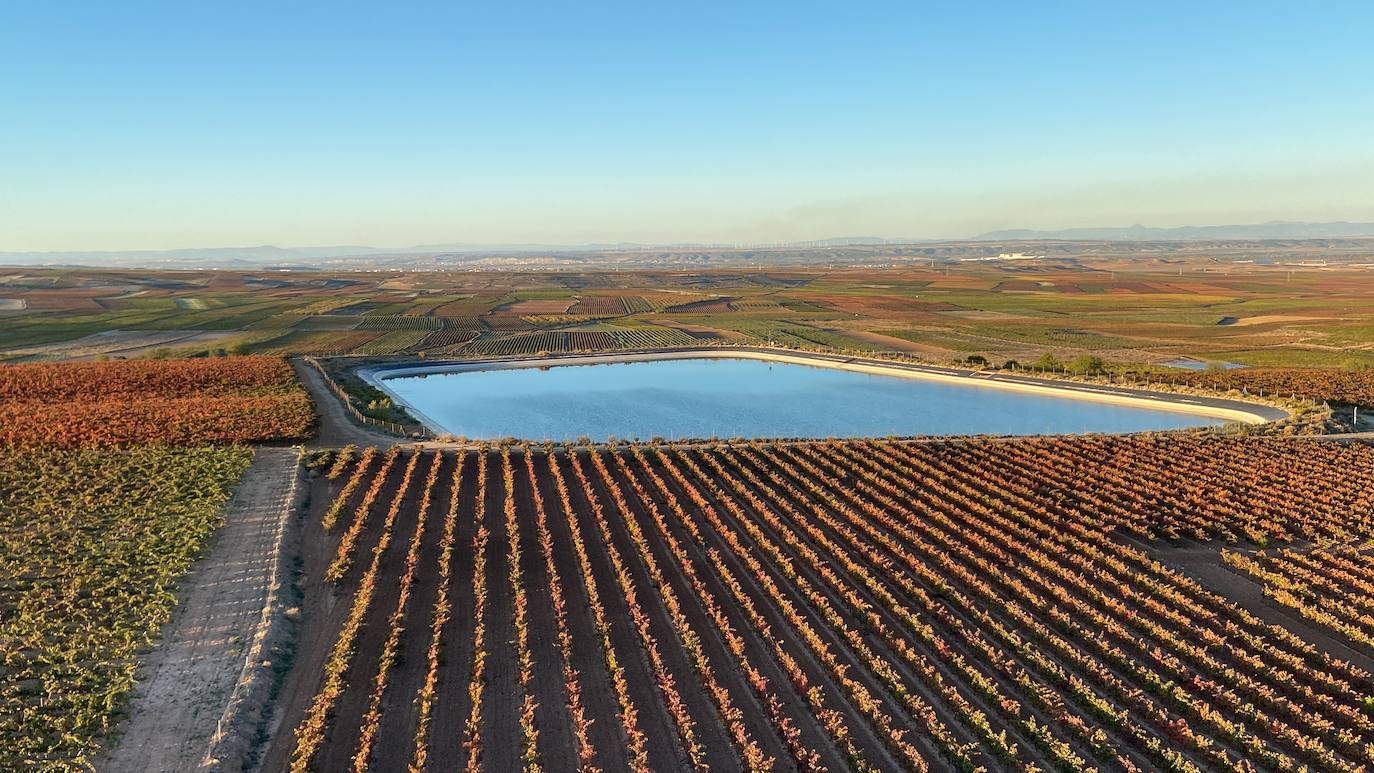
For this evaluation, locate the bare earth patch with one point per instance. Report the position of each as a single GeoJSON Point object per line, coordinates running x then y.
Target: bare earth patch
{"type": "Point", "coordinates": [702, 331]}
{"type": "Point", "coordinates": [120, 343]}
{"type": "Point", "coordinates": [1265, 319]}
{"type": "Point", "coordinates": [980, 314]}
{"type": "Point", "coordinates": [543, 306]}
{"type": "Point", "coordinates": [896, 344]}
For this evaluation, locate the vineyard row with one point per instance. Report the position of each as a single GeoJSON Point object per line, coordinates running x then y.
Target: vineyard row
{"type": "Point", "coordinates": [823, 606]}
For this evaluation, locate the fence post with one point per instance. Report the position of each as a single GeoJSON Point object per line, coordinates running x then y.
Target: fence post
{"type": "Point", "coordinates": [348, 402]}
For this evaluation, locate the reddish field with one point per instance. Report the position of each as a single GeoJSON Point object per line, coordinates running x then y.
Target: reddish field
{"type": "Point", "coordinates": [176, 402]}
{"type": "Point", "coordinates": [839, 606]}
{"type": "Point", "coordinates": [1331, 587]}
{"type": "Point", "coordinates": [1352, 387]}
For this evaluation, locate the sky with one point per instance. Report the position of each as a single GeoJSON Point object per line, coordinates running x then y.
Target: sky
{"type": "Point", "coordinates": [136, 125]}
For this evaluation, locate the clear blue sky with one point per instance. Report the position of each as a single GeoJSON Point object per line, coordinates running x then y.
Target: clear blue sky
{"type": "Point", "coordinates": [156, 125]}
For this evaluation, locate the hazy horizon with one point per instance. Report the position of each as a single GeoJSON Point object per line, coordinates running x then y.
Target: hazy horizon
{"type": "Point", "coordinates": [1200, 233]}
{"type": "Point", "coordinates": [169, 126]}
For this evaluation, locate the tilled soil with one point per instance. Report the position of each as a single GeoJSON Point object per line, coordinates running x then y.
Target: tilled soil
{"type": "Point", "coordinates": [336, 428]}
{"type": "Point", "coordinates": [906, 606]}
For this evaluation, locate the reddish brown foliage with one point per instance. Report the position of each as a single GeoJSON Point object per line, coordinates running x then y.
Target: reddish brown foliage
{"type": "Point", "coordinates": [57, 382]}
{"type": "Point", "coordinates": [231, 400]}
{"type": "Point", "coordinates": [1354, 387]}
{"type": "Point", "coordinates": [862, 605]}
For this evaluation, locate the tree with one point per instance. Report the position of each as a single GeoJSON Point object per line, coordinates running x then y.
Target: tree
{"type": "Point", "coordinates": [1087, 365]}
{"type": "Point", "coordinates": [1048, 361]}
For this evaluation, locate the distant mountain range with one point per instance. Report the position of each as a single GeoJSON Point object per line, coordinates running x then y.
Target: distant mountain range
{"type": "Point", "coordinates": [1276, 229]}
{"type": "Point", "coordinates": [473, 255]}
{"type": "Point", "coordinates": [265, 254]}
{"type": "Point", "coordinates": [270, 255]}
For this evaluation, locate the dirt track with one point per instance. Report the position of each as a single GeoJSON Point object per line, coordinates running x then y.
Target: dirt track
{"type": "Point", "coordinates": [1203, 563]}
{"type": "Point", "coordinates": [336, 427]}
{"type": "Point", "coordinates": [187, 679]}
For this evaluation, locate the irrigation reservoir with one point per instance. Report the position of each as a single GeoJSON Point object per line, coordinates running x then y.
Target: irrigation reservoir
{"type": "Point", "coordinates": [747, 395]}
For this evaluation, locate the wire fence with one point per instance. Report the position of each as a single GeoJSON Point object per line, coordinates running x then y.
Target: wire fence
{"type": "Point", "coordinates": [347, 400]}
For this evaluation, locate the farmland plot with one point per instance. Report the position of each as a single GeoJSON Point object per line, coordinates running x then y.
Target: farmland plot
{"type": "Point", "coordinates": [92, 544]}
{"type": "Point", "coordinates": [858, 605]}
{"type": "Point", "coordinates": [191, 401]}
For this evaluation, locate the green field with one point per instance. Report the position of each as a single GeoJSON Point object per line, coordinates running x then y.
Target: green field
{"type": "Point", "coordinates": [1135, 312]}
{"type": "Point", "coordinates": [92, 543]}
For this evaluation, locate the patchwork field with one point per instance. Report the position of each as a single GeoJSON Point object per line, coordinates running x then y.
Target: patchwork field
{"type": "Point", "coordinates": [822, 606]}
{"type": "Point", "coordinates": [1178, 602]}
{"type": "Point", "coordinates": [1129, 311]}
{"type": "Point", "coordinates": [113, 479]}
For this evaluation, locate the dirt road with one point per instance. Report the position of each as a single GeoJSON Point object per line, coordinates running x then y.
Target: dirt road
{"type": "Point", "coordinates": [1203, 563]}
{"type": "Point", "coordinates": [336, 427]}
{"type": "Point", "coordinates": [185, 682]}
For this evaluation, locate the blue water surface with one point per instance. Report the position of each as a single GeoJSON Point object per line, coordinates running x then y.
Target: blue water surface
{"type": "Point", "coordinates": [701, 398]}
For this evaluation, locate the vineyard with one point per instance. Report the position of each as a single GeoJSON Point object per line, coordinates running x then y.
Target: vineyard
{"type": "Point", "coordinates": [196, 401]}
{"type": "Point", "coordinates": [1332, 587]}
{"type": "Point", "coordinates": [599, 307]}
{"type": "Point", "coordinates": [326, 344]}
{"type": "Point", "coordinates": [381, 322]}
{"type": "Point", "coordinates": [1351, 387]}
{"type": "Point", "coordinates": [603, 339]}
{"type": "Point", "coordinates": [857, 605]}
{"type": "Point", "coordinates": [446, 338]}
{"type": "Point", "coordinates": [92, 543]}
{"type": "Point", "coordinates": [393, 342]}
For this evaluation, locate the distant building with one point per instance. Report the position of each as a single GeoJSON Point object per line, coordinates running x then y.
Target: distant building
{"type": "Point", "coordinates": [1003, 256]}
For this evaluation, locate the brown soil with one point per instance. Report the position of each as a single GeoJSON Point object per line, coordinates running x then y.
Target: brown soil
{"type": "Point", "coordinates": [537, 307]}
{"type": "Point", "coordinates": [336, 427]}
{"type": "Point", "coordinates": [994, 547]}
{"type": "Point", "coordinates": [896, 344]}
{"type": "Point", "coordinates": [1203, 563]}
{"type": "Point", "coordinates": [702, 331]}
{"type": "Point", "coordinates": [1267, 319]}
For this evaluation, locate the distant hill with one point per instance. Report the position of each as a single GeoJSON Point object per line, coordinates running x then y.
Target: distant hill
{"type": "Point", "coordinates": [1277, 229]}
{"type": "Point", "coordinates": [269, 255]}
{"type": "Point", "coordinates": [847, 250]}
